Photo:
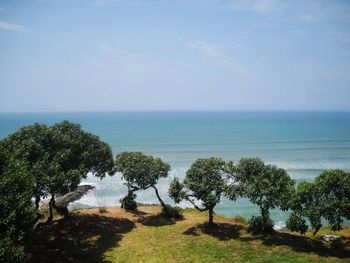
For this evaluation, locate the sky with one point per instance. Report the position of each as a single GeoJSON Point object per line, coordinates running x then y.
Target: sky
{"type": "Point", "coordinates": [110, 55]}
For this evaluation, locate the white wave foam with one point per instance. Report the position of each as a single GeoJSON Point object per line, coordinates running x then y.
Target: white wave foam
{"type": "Point", "coordinates": [313, 165]}
{"type": "Point", "coordinates": [279, 225]}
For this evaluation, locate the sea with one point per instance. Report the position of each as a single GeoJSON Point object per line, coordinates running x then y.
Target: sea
{"type": "Point", "coordinates": [303, 143]}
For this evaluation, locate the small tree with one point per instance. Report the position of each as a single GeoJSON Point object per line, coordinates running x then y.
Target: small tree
{"type": "Point", "coordinates": [328, 198]}
{"type": "Point", "coordinates": [296, 223]}
{"type": "Point", "coordinates": [59, 157]}
{"type": "Point", "coordinates": [334, 188]}
{"type": "Point", "coordinates": [16, 207]}
{"type": "Point", "coordinates": [267, 186]}
{"type": "Point", "coordinates": [140, 172]}
{"type": "Point", "coordinates": [204, 181]}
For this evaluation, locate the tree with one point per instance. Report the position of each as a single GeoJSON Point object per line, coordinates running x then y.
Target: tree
{"type": "Point", "coordinates": [30, 144]}
{"type": "Point", "coordinates": [328, 198]}
{"type": "Point", "coordinates": [16, 207]}
{"type": "Point", "coordinates": [334, 188]}
{"type": "Point", "coordinates": [204, 181]}
{"type": "Point", "coordinates": [267, 186]}
{"type": "Point", "coordinates": [59, 157]}
{"type": "Point", "coordinates": [140, 172]}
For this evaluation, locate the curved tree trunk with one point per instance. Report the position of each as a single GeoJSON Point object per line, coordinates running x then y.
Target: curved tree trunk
{"type": "Point", "coordinates": [51, 205]}
{"type": "Point", "coordinates": [37, 201]}
{"type": "Point", "coordinates": [160, 199]}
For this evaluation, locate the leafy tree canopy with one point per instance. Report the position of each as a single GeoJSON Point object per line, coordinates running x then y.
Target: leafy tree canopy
{"type": "Point", "coordinates": [140, 172]}
{"type": "Point", "coordinates": [16, 207]}
{"type": "Point", "coordinates": [328, 197]}
{"type": "Point", "coordinates": [59, 157]}
{"type": "Point", "coordinates": [267, 186]}
{"type": "Point", "coordinates": [204, 181]}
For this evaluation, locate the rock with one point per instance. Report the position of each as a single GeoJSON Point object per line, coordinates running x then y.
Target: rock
{"type": "Point", "coordinates": [329, 238]}
{"type": "Point", "coordinates": [63, 201]}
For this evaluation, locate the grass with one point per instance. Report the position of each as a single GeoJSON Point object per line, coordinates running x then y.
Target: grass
{"type": "Point", "coordinates": [145, 236]}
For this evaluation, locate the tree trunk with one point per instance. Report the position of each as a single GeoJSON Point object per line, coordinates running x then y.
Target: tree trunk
{"type": "Point", "coordinates": [160, 199]}
{"type": "Point", "coordinates": [51, 205]}
{"type": "Point", "coordinates": [316, 230]}
{"type": "Point", "coordinates": [37, 201]}
{"type": "Point", "coordinates": [210, 211]}
{"type": "Point", "coordinates": [38, 214]}
{"type": "Point", "coordinates": [265, 214]}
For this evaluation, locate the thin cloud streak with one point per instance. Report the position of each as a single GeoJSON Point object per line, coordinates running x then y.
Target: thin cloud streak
{"type": "Point", "coordinates": [215, 52]}
{"type": "Point", "coordinates": [11, 27]}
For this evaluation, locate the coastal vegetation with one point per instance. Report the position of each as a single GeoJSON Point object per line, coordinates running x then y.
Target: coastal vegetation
{"type": "Point", "coordinates": [140, 172]}
{"type": "Point", "coordinates": [40, 161]}
{"type": "Point", "coordinates": [204, 181]}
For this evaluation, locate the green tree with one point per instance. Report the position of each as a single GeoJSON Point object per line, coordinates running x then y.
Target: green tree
{"type": "Point", "coordinates": [328, 198]}
{"type": "Point", "coordinates": [267, 186]}
{"type": "Point", "coordinates": [16, 207]}
{"type": "Point", "coordinates": [334, 188]}
{"type": "Point", "coordinates": [59, 157]}
{"type": "Point", "coordinates": [30, 144]}
{"type": "Point", "coordinates": [140, 172]}
{"type": "Point", "coordinates": [204, 181]}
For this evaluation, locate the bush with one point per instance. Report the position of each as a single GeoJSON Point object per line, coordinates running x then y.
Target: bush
{"type": "Point", "coordinates": [296, 223]}
{"type": "Point", "coordinates": [172, 212]}
{"type": "Point", "coordinates": [9, 252]}
{"type": "Point", "coordinates": [257, 225]}
{"type": "Point", "coordinates": [128, 202]}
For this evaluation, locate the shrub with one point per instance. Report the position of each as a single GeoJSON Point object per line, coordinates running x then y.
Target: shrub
{"type": "Point", "coordinates": [9, 252]}
{"type": "Point", "coordinates": [296, 223]}
{"type": "Point", "coordinates": [259, 225]}
{"type": "Point", "coordinates": [172, 212]}
{"type": "Point", "coordinates": [128, 202]}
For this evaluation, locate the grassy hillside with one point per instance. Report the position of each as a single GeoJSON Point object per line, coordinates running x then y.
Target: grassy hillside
{"type": "Point", "coordinates": [117, 236]}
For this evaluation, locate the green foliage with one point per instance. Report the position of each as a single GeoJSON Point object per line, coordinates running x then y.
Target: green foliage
{"type": "Point", "coordinates": [328, 197]}
{"type": "Point", "coordinates": [172, 212]}
{"type": "Point", "coordinates": [128, 202]}
{"type": "Point", "coordinates": [334, 188]}
{"type": "Point", "coordinates": [141, 171]}
{"type": "Point", "coordinates": [59, 156]}
{"type": "Point", "coordinates": [296, 223]}
{"type": "Point", "coordinates": [233, 188]}
{"type": "Point", "coordinates": [176, 191]}
{"type": "Point", "coordinates": [267, 186]}
{"type": "Point", "coordinates": [260, 225]}
{"type": "Point", "coordinates": [204, 181]}
{"type": "Point", "coordinates": [10, 252]}
{"type": "Point", "coordinates": [16, 207]}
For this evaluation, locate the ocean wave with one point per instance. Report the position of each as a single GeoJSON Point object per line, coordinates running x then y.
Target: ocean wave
{"type": "Point", "coordinates": [279, 225]}
{"type": "Point", "coordinates": [313, 165]}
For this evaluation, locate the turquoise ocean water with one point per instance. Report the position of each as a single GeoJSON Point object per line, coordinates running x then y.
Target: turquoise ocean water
{"type": "Point", "coordinates": [304, 143]}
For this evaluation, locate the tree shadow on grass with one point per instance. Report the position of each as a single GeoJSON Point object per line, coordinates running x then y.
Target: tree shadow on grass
{"type": "Point", "coordinates": [157, 220]}
{"type": "Point", "coordinates": [338, 248]}
{"type": "Point", "coordinates": [81, 238]}
{"type": "Point", "coordinates": [221, 231]}
{"type": "Point", "coordinates": [224, 231]}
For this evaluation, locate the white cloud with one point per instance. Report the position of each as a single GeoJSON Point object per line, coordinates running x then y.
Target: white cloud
{"type": "Point", "coordinates": [208, 49]}
{"type": "Point", "coordinates": [11, 27]}
{"type": "Point", "coordinates": [215, 52]}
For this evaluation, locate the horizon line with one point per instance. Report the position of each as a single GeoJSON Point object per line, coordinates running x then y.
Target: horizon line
{"type": "Point", "coordinates": [160, 111]}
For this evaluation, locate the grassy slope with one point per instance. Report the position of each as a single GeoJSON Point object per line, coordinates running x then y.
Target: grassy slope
{"type": "Point", "coordinates": [117, 236]}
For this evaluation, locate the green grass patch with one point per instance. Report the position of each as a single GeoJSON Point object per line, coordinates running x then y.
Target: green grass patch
{"type": "Point", "coordinates": [146, 236]}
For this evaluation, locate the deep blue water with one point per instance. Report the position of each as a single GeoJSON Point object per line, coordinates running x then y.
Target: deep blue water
{"type": "Point", "coordinates": [304, 143]}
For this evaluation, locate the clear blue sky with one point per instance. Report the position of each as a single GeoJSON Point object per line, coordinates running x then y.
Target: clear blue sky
{"type": "Point", "coordinates": [77, 55]}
